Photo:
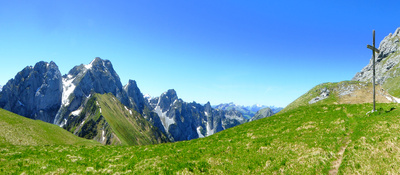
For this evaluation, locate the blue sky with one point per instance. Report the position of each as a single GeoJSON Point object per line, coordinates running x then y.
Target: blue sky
{"type": "Point", "coordinates": [246, 52]}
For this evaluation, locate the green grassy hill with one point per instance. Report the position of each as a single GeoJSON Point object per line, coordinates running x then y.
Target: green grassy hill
{"type": "Point", "coordinates": [345, 92]}
{"type": "Point", "coordinates": [18, 130]}
{"type": "Point", "coordinates": [315, 139]}
{"type": "Point", "coordinates": [106, 120]}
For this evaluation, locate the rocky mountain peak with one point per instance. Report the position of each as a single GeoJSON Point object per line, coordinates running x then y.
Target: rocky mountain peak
{"type": "Point", "coordinates": [96, 77]}
{"type": "Point", "coordinates": [100, 64]}
{"type": "Point", "coordinates": [387, 61]}
{"type": "Point", "coordinates": [171, 93]}
{"type": "Point", "coordinates": [132, 83]}
{"type": "Point", "coordinates": [136, 97]}
{"type": "Point", "coordinates": [265, 112]}
{"type": "Point", "coordinates": [35, 92]}
{"type": "Point", "coordinates": [167, 98]}
{"type": "Point", "coordinates": [207, 107]}
{"type": "Point", "coordinates": [97, 61]}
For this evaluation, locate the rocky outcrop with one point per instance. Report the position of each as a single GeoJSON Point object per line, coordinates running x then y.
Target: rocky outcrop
{"type": "Point", "coordinates": [387, 61]}
{"type": "Point", "coordinates": [323, 94]}
{"type": "Point", "coordinates": [180, 120]}
{"type": "Point", "coordinates": [35, 92]}
{"type": "Point", "coordinates": [262, 113]}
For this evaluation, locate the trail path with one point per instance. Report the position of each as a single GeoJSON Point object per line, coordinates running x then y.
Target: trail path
{"type": "Point", "coordinates": [338, 161]}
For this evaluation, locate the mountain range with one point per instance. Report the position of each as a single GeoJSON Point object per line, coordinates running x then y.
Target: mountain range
{"type": "Point", "coordinates": [72, 101]}
{"type": "Point", "coordinates": [247, 111]}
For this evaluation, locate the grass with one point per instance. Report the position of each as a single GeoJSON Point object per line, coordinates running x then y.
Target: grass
{"type": "Point", "coordinates": [129, 126]}
{"type": "Point", "coordinates": [18, 130]}
{"type": "Point", "coordinates": [105, 119]}
{"type": "Point", "coordinates": [315, 92]}
{"type": "Point", "coordinates": [391, 84]}
{"type": "Point", "coordinates": [305, 140]}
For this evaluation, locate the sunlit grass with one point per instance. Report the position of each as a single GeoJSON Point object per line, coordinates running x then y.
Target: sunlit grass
{"type": "Point", "coordinates": [305, 140]}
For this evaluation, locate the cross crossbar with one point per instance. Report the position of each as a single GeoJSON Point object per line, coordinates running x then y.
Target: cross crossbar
{"type": "Point", "coordinates": [373, 48]}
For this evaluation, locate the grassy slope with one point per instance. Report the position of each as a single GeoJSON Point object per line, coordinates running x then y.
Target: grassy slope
{"type": "Point", "coordinates": [361, 94]}
{"type": "Point", "coordinates": [18, 130]}
{"type": "Point", "coordinates": [131, 129]}
{"type": "Point", "coordinates": [392, 85]}
{"type": "Point", "coordinates": [106, 120]}
{"type": "Point", "coordinates": [305, 140]}
{"type": "Point", "coordinates": [314, 92]}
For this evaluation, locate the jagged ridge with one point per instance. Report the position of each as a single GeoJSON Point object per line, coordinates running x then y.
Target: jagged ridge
{"type": "Point", "coordinates": [42, 93]}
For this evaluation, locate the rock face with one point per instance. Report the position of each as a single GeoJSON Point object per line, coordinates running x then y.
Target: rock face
{"type": "Point", "coordinates": [35, 92]}
{"type": "Point", "coordinates": [262, 113]}
{"type": "Point", "coordinates": [136, 98]}
{"type": "Point", "coordinates": [180, 120]}
{"type": "Point", "coordinates": [387, 61]}
{"type": "Point", "coordinates": [83, 80]}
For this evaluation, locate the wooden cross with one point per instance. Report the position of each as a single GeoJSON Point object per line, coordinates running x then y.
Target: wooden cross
{"type": "Point", "coordinates": [373, 63]}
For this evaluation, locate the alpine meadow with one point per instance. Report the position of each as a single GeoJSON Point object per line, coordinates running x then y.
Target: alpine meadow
{"type": "Point", "coordinates": [236, 88]}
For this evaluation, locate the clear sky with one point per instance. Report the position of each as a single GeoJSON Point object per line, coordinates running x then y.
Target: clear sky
{"type": "Point", "coordinates": [246, 52]}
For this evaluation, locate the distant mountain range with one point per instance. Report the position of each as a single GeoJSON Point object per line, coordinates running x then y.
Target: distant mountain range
{"type": "Point", "coordinates": [247, 111]}
{"type": "Point", "coordinates": [75, 102]}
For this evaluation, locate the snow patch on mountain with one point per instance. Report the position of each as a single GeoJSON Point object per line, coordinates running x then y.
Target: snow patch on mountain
{"type": "Point", "coordinates": [68, 89]}
{"type": "Point", "coordinates": [90, 65]}
{"type": "Point", "coordinates": [165, 120]}
{"type": "Point", "coordinates": [209, 130]}
{"type": "Point", "coordinates": [199, 133]}
{"type": "Point", "coordinates": [147, 96]}
{"type": "Point", "coordinates": [83, 122]}
{"type": "Point", "coordinates": [103, 135]}
{"type": "Point", "coordinates": [77, 112]}
{"type": "Point", "coordinates": [63, 123]}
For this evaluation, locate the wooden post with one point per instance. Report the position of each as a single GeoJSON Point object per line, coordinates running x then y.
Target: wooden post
{"type": "Point", "coordinates": [373, 65]}
{"type": "Point", "coordinates": [374, 49]}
